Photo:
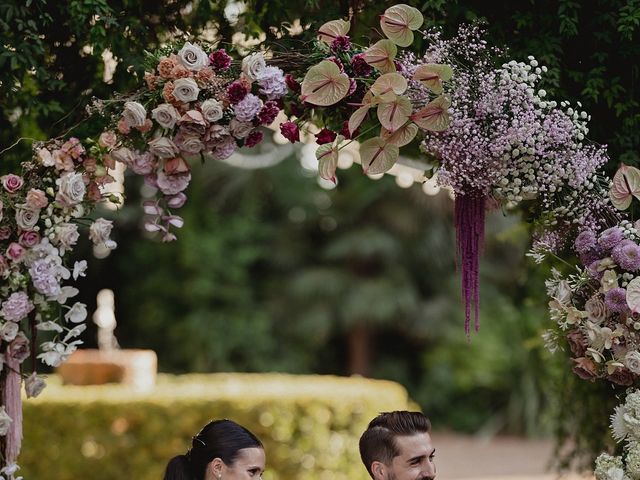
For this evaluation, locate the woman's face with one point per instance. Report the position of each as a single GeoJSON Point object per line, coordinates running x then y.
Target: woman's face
{"type": "Point", "coordinates": [248, 465]}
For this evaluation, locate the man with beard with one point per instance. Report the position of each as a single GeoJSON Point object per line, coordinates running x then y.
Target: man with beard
{"type": "Point", "coordinates": [397, 446]}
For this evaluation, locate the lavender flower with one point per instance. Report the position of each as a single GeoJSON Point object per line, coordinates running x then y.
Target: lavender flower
{"type": "Point", "coordinates": [616, 300]}
{"type": "Point", "coordinates": [610, 238]}
{"type": "Point", "coordinates": [16, 307]}
{"type": "Point", "coordinates": [585, 241]}
{"type": "Point", "coordinates": [272, 83]}
{"type": "Point", "coordinates": [44, 276]}
{"type": "Point", "coordinates": [247, 108]}
{"type": "Point", "coordinates": [627, 255]}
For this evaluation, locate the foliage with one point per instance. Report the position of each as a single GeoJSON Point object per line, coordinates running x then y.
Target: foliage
{"type": "Point", "coordinates": [309, 425]}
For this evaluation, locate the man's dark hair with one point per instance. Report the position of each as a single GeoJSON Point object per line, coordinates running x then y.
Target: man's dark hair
{"type": "Point", "coordinates": [378, 443]}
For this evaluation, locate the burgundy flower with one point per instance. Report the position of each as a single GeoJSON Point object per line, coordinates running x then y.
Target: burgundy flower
{"type": "Point", "coordinates": [345, 131]}
{"type": "Point", "coordinates": [325, 136]}
{"type": "Point", "coordinates": [268, 113]}
{"type": "Point", "coordinates": [622, 376]}
{"type": "Point", "coordinates": [292, 84]}
{"type": "Point", "coordinates": [341, 43]}
{"type": "Point", "coordinates": [290, 131]}
{"type": "Point", "coordinates": [360, 67]}
{"type": "Point", "coordinates": [220, 60]}
{"type": "Point", "coordinates": [337, 62]}
{"type": "Point", "coordinates": [236, 92]}
{"type": "Point", "coordinates": [253, 138]}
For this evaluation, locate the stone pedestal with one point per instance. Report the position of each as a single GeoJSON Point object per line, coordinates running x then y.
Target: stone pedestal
{"type": "Point", "coordinates": [137, 368]}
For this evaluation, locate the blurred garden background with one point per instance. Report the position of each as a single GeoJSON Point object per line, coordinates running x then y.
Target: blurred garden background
{"type": "Point", "coordinates": [274, 272]}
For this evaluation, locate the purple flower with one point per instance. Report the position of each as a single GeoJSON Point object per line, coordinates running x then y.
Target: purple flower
{"type": "Point", "coordinates": [272, 83]}
{"type": "Point", "coordinates": [627, 255]}
{"type": "Point", "coordinates": [16, 307]}
{"type": "Point", "coordinates": [585, 241]}
{"type": "Point", "coordinates": [220, 60]}
{"type": "Point", "coordinates": [592, 268]}
{"type": "Point", "coordinates": [616, 300]}
{"type": "Point", "coordinates": [224, 149]}
{"type": "Point", "coordinates": [247, 108]}
{"type": "Point", "coordinates": [44, 278]}
{"type": "Point", "coordinates": [360, 67]}
{"type": "Point", "coordinates": [610, 238]}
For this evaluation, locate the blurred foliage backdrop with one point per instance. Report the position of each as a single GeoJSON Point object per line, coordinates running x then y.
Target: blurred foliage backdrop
{"type": "Point", "coordinates": [273, 273]}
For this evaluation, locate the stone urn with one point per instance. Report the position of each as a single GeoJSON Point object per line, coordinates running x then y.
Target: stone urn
{"type": "Point", "coordinates": [137, 368]}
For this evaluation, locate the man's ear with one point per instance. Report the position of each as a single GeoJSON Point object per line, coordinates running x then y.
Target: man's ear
{"type": "Point", "coordinates": [379, 470]}
{"type": "Point", "coordinates": [215, 468]}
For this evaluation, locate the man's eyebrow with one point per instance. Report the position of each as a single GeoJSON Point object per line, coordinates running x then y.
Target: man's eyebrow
{"type": "Point", "coordinates": [420, 457]}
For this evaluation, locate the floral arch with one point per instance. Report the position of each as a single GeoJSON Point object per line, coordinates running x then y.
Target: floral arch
{"type": "Point", "coordinates": [485, 128]}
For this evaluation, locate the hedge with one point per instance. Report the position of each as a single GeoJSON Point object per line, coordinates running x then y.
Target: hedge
{"type": "Point", "coordinates": [310, 425]}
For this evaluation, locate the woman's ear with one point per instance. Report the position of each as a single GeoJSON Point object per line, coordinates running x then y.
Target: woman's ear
{"type": "Point", "coordinates": [379, 470]}
{"type": "Point", "coordinates": [215, 469]}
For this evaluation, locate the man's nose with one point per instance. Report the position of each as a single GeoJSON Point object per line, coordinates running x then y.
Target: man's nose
{"type": "Point", "coordinates": [429, 472]}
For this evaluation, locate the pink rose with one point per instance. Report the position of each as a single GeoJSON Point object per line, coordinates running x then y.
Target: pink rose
{"type": "Point", "coordinates": [143, 164]}
{"type": "Point", "coordinates": [108, 139]}
{"type": "Point", "coordinates": [15, 251]}
{"type": "Point", "coordinates": [585, 368]}
{"type": "Point", "coordinates": [290, 131]}
{"type": "Point", "coordinates": [193, 123]}
{"type": "Point", "coordinates": [12, 183]}
{"type": "Point", "coordinates": [173, 184]}
{"type": "Point", "coordinates": [29, 239]}
{"type": "Point", "coordinates": [63, 161]}
{"type": "Point", "coordinates": [5, 232]}
{"type": "Point", "coordinates": [93, 192]}
{"type": "Point", "coordinates": [176, 165]}
{"type": "Point", "coordinates": [36, 199]}
{"type": "Point", "coordinates": [89, 165]}
{"type": "Point", "coordinates": [123, 127]}
{"type": "Point", "coordinates": [18, 349]}
{"type": "Point", "coordinates": [577, 343]}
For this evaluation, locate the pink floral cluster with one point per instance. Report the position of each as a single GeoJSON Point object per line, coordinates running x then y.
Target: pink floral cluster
{"type": "Point", "coordinates": [195, 104]}
{"type": "Point", "coordinates": [597, 313]}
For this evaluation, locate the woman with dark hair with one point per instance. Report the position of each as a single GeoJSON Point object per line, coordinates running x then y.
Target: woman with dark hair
{"type": "Point", "coordinates": [223, 450]}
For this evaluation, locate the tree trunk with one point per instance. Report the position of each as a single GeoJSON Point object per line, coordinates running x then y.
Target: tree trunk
{"type": "Point", "coordinates": [359, 345]}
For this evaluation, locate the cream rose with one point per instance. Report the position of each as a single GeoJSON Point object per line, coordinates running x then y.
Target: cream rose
{"type": "Point", "coordinates": [166, 115]}
{"type": "Point", "coordinates": [108, 139]}
{"type": "Point", "coordinates": [71, 189]}
{"type": "Point", "coordinates": [45, 158]}
{"type": "Point", "coordinates": [99, 233]}
{"type": "Point", "coordinates": [185, 90]}
{"type": "Point", "coordinates": [134, 114]}
{"type": "Point", "coordinates": [27, 217]}
{"type": "Point", "coordinates": [596, 310]}
{"type": "Point", "coordinates": [123, 155]}
{"type": "Point", "coordinates": [163, 147]}
{"type": "Point", "coordinates": [66, 235]}
{"type": "Point", "coordinates": [240, 129]}
{"type": "Point", "coordinates": [36, 199]}
{"type": "Point", "coordinates": [253, 65]}
{"type": "Point", "coordinates": [212, 110]}
{"type": "Point", "coordinates": [8, 331]}
{"type": "Point", "coordinates": [193, 57]}
{"type": "Point", "coordinates": [632, 361]}
{"type": "Point", "coordinates": [191, 144]}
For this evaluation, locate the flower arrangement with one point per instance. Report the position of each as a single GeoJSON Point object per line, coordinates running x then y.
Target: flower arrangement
{"type": "Point", "coordinates": [625, 426]}
{"type": "Point", "coordinates": [341, 92]}
{"type": "Point", "coordinates": [41, 210]}
{"type": "Point", "coordinates": [194, 105]}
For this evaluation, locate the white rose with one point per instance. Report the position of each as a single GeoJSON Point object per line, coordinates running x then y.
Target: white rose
{"type": "Point", "coordinates": [5, 421]}
{"type": "Point", "coordinates": [9, 331]}
{"type": "Point", "coordinates": [193, 57]}
{"type": "Point", "coordinates": [45, 158]}
{"type": "Point", "coordinates": [123, 155]}
{"type": "Point", "coordinates": [26, 217]}
{"type": "Point", "coordinates": [166, 115]}
{"type": "Point", "coordinates": [632, 361]}
{"type": "Point", "coordinates": [66, 235]}
{"type": "Point", "coordinates": [240, 129]}
{"type": "Point", "coordinates": [185, 90]}
{"type": "Point", "coordinates": [163, 147]}
{"type": "Point", "coordinates": [77, 313]}
{"type": "Point", "coordinates": [34, 385]}
{"type": "Point", "coordinates": [134, 114]}
{"type": "Point", "coordinates": [211, 110]}
{"type": "Point", "coordinates": [71, 189]}
{"type": "Point", "coordinates": [99, 233]}
{"type": "Point", "coordinates": [253, 65]}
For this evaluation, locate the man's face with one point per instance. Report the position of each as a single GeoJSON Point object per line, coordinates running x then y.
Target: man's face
{"type": "Point", "coordinates": [415, 460]}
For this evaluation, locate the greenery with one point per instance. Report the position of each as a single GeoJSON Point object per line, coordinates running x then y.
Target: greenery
{"type": "Point", "coordinates": [309, 425]}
